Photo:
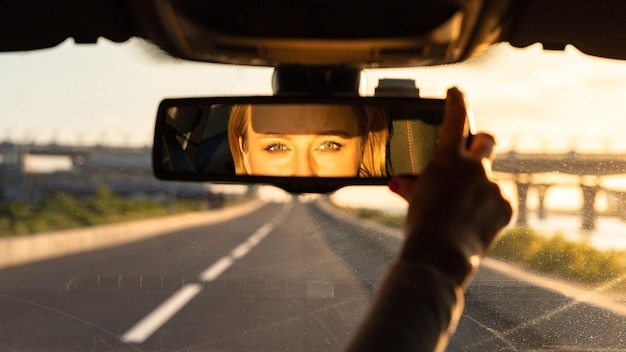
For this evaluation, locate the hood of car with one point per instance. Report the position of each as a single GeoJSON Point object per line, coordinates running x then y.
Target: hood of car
{"type": "Point", "coordinates": [362, 34]}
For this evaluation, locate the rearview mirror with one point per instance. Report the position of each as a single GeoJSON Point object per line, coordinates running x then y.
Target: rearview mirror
{"type": "Point", "coordinates": [301, 144]}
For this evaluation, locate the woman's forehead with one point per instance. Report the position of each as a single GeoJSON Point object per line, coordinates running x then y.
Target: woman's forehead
{"type": "Point", "coordinates": [304, 119]}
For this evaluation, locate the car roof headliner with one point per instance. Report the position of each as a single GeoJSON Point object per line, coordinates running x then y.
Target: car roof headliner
{"type": "Point", "coordinates": [594, 27]}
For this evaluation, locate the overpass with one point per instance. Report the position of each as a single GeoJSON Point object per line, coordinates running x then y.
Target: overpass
{"type": "Point", "coordinates": [571, 163]}
{"type": "Point", "coordinates": [521, 167]}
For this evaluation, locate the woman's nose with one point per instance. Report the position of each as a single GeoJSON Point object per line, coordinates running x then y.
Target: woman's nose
{"type": "Point", "coordinates": [302, 166]}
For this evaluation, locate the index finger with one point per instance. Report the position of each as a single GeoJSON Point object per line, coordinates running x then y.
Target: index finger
{"type": "Point", "coordinates": [453, 126]}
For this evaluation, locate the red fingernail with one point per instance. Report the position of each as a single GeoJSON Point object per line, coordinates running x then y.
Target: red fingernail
{"type": "Point", "coordinates": [394, 186]}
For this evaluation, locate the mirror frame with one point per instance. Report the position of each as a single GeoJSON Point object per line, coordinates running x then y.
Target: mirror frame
{"type": "Point", "coordinates": [433, 109]}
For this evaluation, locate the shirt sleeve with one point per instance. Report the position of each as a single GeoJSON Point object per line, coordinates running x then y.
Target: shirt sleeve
{"type": "Point", "coordinates": [416, 309]}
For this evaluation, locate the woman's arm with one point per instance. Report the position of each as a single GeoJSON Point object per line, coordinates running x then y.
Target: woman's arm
{"type": "Point", "coordinates": [455, 214]}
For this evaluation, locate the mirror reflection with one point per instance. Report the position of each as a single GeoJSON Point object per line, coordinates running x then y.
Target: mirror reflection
{"type": "Point", "coordinates": [325, 140]}
{"type": "Point", "coordinates": [309, 140]}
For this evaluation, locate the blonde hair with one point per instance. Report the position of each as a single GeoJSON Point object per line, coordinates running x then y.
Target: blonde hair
{"type": "Point", "coordinates": [240, 116]}
{"type": "Point", "coordinates": [373, 131]}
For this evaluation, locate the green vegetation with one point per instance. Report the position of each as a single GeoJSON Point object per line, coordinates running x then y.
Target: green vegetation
{"type": "Point", "coordinates": [63, 211]}
{"type": "Point", "coordinates": [577, 261]}
{"type": "Point", "coordinates": [394, 221]}
{"type": "Point", "coordinates": [554, 255]}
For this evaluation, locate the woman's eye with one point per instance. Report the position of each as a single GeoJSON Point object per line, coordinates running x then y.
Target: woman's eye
{"type": "Point", "coordinates": [276, 147]}
{"type": "Point", "coordinates": [330, 146]}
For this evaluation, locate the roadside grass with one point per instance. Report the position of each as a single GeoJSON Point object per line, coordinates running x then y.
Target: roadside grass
{"type": "Point", "coordinates": [553, 255]}
{"type": "Point", "coordinates": [393, 221]}
{"type": "Point", "coordinates": [577, 261]}
{"type": "Point", "coordinates": [61, 211]}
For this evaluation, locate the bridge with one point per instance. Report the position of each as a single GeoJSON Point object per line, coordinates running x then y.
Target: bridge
{"type": "Point", "coordinates": [521, 168]}
{"type": "Point", "coordinates": [571, 163]}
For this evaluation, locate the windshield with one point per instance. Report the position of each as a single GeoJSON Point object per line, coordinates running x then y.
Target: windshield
{"type": "Point", "coordinates": [95, 254]}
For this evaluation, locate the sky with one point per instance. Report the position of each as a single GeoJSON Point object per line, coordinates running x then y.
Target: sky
{"type": "Point", "coordinates": [534, 99]}
{"type": "Point", "coordinates": [108, 93]}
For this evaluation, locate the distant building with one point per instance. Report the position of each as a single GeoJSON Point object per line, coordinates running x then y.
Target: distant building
{"type": "Point", "coordinates": [28, 172]}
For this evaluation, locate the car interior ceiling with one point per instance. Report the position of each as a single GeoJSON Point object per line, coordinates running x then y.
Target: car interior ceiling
{"type": "Point", "coordinates": [594, 27]}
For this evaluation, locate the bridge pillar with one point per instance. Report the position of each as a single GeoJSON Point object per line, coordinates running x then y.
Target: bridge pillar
{"type": "Point", "coordinates": [541, 193]}
{"type": "Point", "coordinates": [522, 211]}
{"type": "Point", "coordinates": [589, 215]}
{"type": "Point", "coordinates": [12, 172]}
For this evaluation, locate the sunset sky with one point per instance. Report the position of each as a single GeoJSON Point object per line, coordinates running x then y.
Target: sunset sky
{"type": "Point", "coordinates": [108, 93]}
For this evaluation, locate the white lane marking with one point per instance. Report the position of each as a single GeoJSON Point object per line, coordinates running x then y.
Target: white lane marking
{"type": "Point", "coordinates": [219, 267]}
{"type": "Point", "coordinates": [153, 321]}
{"type": "Point", "coordinates": [141, 331]}
{"type": "Point", "coordinates": [215, 270]}
{"type": "Point", "coordinates": [252, 241]}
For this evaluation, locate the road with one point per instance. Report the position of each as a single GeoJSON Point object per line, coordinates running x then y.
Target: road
{"type": "Point", "coordinates": [287, 277]}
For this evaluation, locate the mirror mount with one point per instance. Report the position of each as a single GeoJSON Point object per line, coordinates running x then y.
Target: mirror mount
{"type": "Point", "coordinates": [316, 81]}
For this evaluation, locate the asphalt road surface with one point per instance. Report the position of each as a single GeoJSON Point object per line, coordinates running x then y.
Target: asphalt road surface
{"type": "Point", "coordinates": [287, 277]}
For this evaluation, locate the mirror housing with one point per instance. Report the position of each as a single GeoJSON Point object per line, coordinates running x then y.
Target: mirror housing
{"type": "Point", "coordinates": [192, 143]}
